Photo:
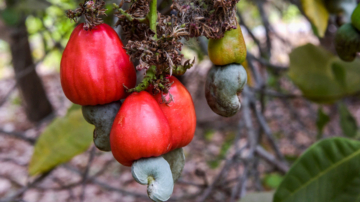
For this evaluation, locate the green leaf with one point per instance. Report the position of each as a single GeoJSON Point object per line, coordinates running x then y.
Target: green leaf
{"type": "Point", "coordinates": [326, 172]}
{"type": "Point", "coordinates": [321, 76]}
{"type": "Point", "coordinates": [318, 15]}
{"type": "Point", "coordinates": [73, 107]}
{"type": "Point", "coordinates": [258, 197]}
{"type": "Point", "coordinates": [10, 16]}
{"type": "Point", "coordinates": [63, 139]}
{"type": "Point", "coordinates": [339, 73]}
{"type": "Point", "coordinates": [347, 121]}
{"type": "Point", "coordinates": [273, 180]}
{"type": "Point", "coordinates": [322, 120]}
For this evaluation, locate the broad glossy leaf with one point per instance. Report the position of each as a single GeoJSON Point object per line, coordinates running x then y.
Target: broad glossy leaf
{"type": "Point", "coordinates": [318, 15]}
{"type": "Point", "coordinates": [328, 171]}
{"type": "Point", "coordinates": [63, 139]}
{"type": "Point", "coordinates": [347, 121]}
{"type": "Point", "coordinates": [258, 197]}
{"type": "Point", "coordinates": [321, 76]}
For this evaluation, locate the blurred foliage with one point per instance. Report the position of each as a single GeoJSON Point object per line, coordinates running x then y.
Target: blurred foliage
{"type": "Point", "coordinates": [48, 27]}
{"type": "Point", "coordinates": [272, 180]}
{"type": "Point", "coordinates": [321, 121]}
{"type": "Point", "coordinates": [63, 139]}
{"type": "Point", "coordinates": [316, 11]}
{"type": "Point", "coordinates": [208, 134]}
{"type": "Point", "coordinates": [321, 76]}
{"type": "Point", "coordinates": [291, 13]}
{"type": "Point", "coordinates": [347, 121]}
{"type": "Point", "coordinates": [191, 48]}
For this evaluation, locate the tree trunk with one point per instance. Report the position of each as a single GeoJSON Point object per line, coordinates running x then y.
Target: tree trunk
{"type": "Point", "coordinates": [34, 99]}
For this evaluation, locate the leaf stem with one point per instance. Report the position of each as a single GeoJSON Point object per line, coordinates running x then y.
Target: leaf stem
{"type": "Point", "coordinates": [127, 15]}
{"type": "Point", "coordinates": [152, 16]}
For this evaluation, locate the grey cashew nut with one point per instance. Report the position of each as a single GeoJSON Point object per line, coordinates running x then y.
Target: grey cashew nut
{"type": "Point", "coordinates": [154, 172]}
{"type": "Point", "coordinates": [222, 87]}
{"type": "Point", "coordinates": [102, 116]}
{"type": "Point", "coordinates": [176, 160]}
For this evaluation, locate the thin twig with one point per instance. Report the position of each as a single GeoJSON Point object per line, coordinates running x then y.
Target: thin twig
{"type": "Point", "coordinates": [227, 165]}
{"type": "Point", "coordinates": [283, 168]}
{"type": "Point", "coordinates": [240, 187]}
{"type": "Point", "coordinates": [85, 175]}
{"type": "Point", "coordinates": [268, 64]}
{"type": "Point", "coordinates": [18, 135]}
{"type": "Point", "coordinates": [7, 95]}
{"type": "Point", "coordinates": [272, 93]}
{"type": "Point", "coordinates": [21, 191]}
{"type": "Point", "coordinates": [267, 27]}
{"type": "Point", "coordinates": [122, 191]}
{"type": "Point", "coordinates": [260, 117]}
{"type": "Point", "coordinates": [256, 40]}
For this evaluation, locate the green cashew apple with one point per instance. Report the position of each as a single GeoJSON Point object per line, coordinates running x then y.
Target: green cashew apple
{"type": "Point", "coordinates": [229, 49]}
{"type": "Point", "coordinates": [102, 116]}
{"type": "Point", "coordinates": [156, 173]}
{"type": "Point", "coordinates": [176, 160]}
{"type": "Point", "coordinates": [347, 42]}
{"type": "Point", "coordinates": [222, 87]}
{"type": "Point", "coordinates": [355, 18]}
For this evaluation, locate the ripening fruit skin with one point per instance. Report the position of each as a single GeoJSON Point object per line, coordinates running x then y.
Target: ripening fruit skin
{"type": "Point", "coordinates": [222, 87]}
{"type": "Point", "coordinates": [140, 130]}
{"type": "Point", "coordinates": [180, 113]}
{"type": "Point", "coordinates": [229, 49]}
{"type": "Point", "coordinates": [146, 127]}
{"type": "Point", "coordinates": [102, 116]}
{"type": "Point", "coordinates": [355, 18]}
{"type": "Point", "coordinates": [347, 42]}
{"type": "Point", "coordinates": [94, 67]}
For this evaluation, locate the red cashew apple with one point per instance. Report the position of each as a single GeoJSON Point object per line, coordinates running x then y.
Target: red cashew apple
{"type": "Point", "coordinates": [145, 127]}
{"type": "Point", "coordinates": [94, 67]}
{"type": "Point", "coordinates": [180, 114]}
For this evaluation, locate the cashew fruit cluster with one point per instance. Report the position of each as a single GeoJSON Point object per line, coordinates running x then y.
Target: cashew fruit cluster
{"type": "Point", "coordinates": [143, 132]}
{"type": "Point", "coordinates": [227, 78]}
{"type": "Point", "coordinates": [347, 38]}
{"type": "Point", "coordinates": [147, 127]}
